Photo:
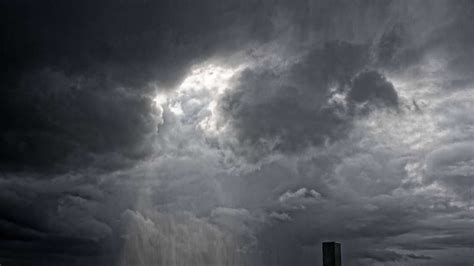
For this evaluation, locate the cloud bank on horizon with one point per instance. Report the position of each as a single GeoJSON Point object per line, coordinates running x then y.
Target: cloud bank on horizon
{"type": "Point", "coordinates": [236, 133]}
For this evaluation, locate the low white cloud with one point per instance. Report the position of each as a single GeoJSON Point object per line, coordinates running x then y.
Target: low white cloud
{"type": "Point", "coordinates": [281, 216]}
{"type": "Point", "coordinates": [300, 194]}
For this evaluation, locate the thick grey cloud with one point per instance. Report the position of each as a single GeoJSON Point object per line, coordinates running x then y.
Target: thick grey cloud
{"type": "Point", "coordinates": [76, 76]}
{"type": "Point", "coordinates": [371, 87]}
{"type": "Point", "coordinates": [296, 107]}
{"type": "Point", "coordinates": [236, 133]}
{"type": "Point", "coordinates": [52, 118]}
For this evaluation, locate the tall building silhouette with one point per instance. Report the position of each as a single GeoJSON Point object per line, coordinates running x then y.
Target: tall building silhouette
{"type": "Point", "coordinates": [331, 254]}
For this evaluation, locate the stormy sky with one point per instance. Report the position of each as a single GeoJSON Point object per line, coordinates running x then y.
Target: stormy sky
{"type": "Point", "coordinates": [228, 133]}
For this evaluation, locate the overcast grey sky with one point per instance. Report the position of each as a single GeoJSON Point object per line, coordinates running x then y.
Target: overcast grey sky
{"type": "Point", "coordinates": [224, 132]}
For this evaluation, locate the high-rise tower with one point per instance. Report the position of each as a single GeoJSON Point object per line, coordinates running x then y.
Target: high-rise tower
{"type": "Point", "coordinates": [331, 254]}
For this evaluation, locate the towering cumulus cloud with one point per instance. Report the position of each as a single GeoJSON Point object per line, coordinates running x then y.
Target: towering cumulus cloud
{"type": "Point", "coordinates": [222, 132]}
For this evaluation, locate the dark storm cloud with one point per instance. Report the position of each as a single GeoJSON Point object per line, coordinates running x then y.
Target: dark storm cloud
{"type": "Point", "coordinates": [51, 118]}
{"type": "Point", "coordinates": [372, 87]}
{"type": "Point", "coordinates": [385, 256]}
{"type": "Point", "coordinates": [76, 95]}
{"type": "Point", "coordinates": [324, 108]}
{"type": "Point", "coordinates": [75, 75]}
{"type": "Point", "coordinates": [59, 226]}
{"type": "Point", "coordinates": [65, 220]}
{"type": "Point", "coordinates": [382, 255]}
{"type": "Point", "coordinates": [130, 41]}
{"type": "Point", "coordinates": [292, 108]}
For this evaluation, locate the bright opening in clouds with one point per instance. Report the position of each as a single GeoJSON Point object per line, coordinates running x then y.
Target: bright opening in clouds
{"type": "Point", "coordinates": [195, 100]}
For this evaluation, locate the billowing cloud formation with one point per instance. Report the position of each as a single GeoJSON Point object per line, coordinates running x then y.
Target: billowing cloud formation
{"type": "Point", "coordinates": [371, 87]}
{"type": "Point", "coordinates": [236, 133]}
{"type": "Point", "coordinates": [52, 119]}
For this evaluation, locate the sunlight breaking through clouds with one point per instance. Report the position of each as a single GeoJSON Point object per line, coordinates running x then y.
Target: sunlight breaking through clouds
{"type": "Point", "coordinates": [230, 133]}
{"type": "Point", "coordinates": [196, 98]}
